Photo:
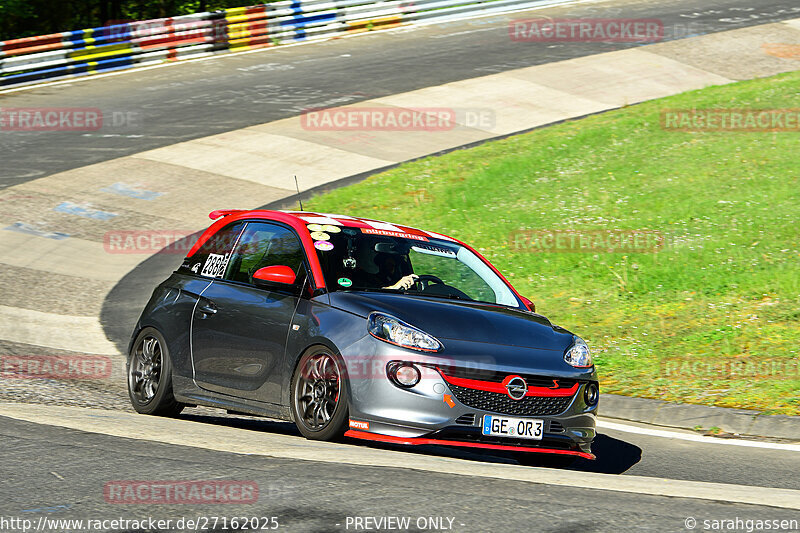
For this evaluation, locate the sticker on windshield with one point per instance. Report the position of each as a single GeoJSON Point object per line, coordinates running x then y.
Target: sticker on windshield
{"type": "Point", "coordinates": [320, 236]}
{"type": "Point", "coordinates": [387, 233]}
{"type": "Point", "coordinates": [324, 246]}
{"type": "Point", "coordinates": [215, 265]}
{"type": "Point", "coordinates": [434, 250]}
{"type": "Point", "coordinates": [330, 228]}
{"type": "Point", "coordinates": [315, 227]}
{"type": "Point", "coordinates": [344, 282]}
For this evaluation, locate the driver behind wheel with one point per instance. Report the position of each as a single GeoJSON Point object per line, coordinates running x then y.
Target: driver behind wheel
{"type": "Point", "coordinates": [389, 271]}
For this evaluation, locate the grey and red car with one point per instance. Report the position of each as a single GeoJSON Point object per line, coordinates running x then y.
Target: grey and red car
{"type": "Point", "coordinates": [354, 327]}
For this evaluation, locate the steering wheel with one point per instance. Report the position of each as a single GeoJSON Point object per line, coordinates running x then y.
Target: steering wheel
{"type": "Point", "coordinates": [424, 283]}
{"type": "Point", "coordinates": [425, 280]}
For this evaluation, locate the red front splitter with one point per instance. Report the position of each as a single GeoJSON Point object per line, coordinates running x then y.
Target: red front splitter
{"type": "Point", "coordinates": [422, 440]}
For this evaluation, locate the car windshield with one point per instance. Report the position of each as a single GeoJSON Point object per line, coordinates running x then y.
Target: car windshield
{"type": "Point", "coordinates": [353, 260]}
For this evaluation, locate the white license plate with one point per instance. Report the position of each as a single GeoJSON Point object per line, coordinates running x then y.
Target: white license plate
{"type": "Point", "coordinates": [519, 428]}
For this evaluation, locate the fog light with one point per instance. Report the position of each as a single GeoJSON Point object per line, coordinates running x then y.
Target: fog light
{"type": "Point", "coordinates": [404, 374]}
{"type": "Point", "coordinates": [591, 394]}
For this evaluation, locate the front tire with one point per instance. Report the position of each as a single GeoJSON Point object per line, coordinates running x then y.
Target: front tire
{"type": "Point", "coordinates": [150, 376]}
{"type": "Point", "coordinates": [320, 395]}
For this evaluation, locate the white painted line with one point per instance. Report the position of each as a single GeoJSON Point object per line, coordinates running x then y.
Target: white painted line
{"type": "Point", "coordinates": [81, 334]}
{"type": "Point", "coordinates": [795, 23]}
{"type": "Point", "coordinates": [261, 443]}
{"type": "Point", "coordinates": [605, 424]}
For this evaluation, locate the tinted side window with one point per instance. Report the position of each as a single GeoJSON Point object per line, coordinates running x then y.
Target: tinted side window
{"type": "Point", "coordinates": [214, 255]}
{"type": "Point", "coordinates": [261, 245]}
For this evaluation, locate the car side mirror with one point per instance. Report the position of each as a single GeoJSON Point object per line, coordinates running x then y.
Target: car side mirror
{"type": "Point", "coordinates": [271, 275]}
{"type": "Point", "coordinates": [530, 304]}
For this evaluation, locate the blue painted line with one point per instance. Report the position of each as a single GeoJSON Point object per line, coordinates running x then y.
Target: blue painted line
{"type": "Point", "coordinates": [22, 227]}
{"type": "Point", "coordinates": [131, 191]}
{"type": "Point", "coordinates": [300, 33]}
{"type": "Point", "coordinates": [75, 68]}
{"type": "Point", "coordinates": [299, 22]}
{"type": "Point", "coordinates": [33, 74]}
{"type": "Point", "coordinates": [61, 72]}
{"type": "Point", "coordinates": [303, 20]}
{"type": "Point", "coordinates": [77, 38]}
{"type": "Point", "coordinates": [106, 64]}
{"type": "Point", "coordinates": [48, 73]}
{"type": "Point", "coordinates": [83, 211]}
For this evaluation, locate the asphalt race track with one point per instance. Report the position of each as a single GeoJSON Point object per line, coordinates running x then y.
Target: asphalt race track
{"type": "Point", "coordinates": [196, 99]}
{"type": "Point", "coordinates": [56, 465]}
{"type": "Point", "coordinates": [308, 495]}
{"type": "Point", "coordinates": [316, 497]}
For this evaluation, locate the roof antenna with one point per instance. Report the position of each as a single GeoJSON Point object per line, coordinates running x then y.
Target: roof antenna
{"type": "Point", "coordinates": [296, 186]}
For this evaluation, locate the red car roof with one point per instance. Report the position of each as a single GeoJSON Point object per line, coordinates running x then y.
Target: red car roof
{"type": "Point", "coordinates": [300, 219]}
{"type": "Point", "coordinates": [309, 217]}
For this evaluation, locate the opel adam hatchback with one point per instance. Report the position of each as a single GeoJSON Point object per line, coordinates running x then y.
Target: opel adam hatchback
{"type": "Point", "coordinates": [354, 327]}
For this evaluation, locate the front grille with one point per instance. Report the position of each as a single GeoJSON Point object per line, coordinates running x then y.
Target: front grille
{"type": "Point", "coordinates": [501, 403]}
{"type": "Point", "coordinates": [556, 427]}
{"type": "Point", "coordinates": [466, 420]}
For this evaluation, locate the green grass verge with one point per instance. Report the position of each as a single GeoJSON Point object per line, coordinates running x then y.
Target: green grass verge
{"type": "Point", "coordinates": [724, 289]}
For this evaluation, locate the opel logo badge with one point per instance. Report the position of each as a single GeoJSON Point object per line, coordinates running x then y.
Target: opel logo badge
{"type": "Point", "coordinates": [516, 388]}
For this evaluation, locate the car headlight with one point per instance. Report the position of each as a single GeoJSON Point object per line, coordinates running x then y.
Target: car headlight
{"type": "Point", "coordinates": [392, 330]}
{"type": "Point", "coordinates": [578, 354]}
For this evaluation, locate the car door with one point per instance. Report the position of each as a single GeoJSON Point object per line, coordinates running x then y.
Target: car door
{"type": "Point", "coordinates": [239, 331]}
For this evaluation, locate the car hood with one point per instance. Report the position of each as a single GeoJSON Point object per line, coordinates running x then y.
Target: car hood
{"type": "Point", "coordinates": [462, 320]}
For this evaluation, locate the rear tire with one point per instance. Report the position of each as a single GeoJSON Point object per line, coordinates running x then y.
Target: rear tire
{"type": "Point", "coordinates": [319, 395]}
{"type": "Point", "coordinates": [149, 372]}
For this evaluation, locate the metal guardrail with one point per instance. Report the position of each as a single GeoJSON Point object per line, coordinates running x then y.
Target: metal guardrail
{"type": "Point", "coordinates": [149, 42]}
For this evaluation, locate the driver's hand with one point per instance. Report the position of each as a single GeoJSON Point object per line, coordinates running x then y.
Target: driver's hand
{"type": "Point", "coordinates": [406, 282]}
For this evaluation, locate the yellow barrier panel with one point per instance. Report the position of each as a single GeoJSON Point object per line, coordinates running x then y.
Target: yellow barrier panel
{"type": "Point", "coordinates": [94, 52]}
{"type": "Point", "coordinates": [380, 23]}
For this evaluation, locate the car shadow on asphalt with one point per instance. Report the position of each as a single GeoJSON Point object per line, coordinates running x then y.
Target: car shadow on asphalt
{"type": "Point", "coordinates": [614, 456]}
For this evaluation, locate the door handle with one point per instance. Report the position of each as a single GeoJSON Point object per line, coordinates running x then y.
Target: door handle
{"type": "Point", "coordinates": [207, 310]}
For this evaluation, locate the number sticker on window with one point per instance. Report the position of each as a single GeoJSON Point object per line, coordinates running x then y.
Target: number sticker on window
{"type": "Point", "coordinates": [215, 265]}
